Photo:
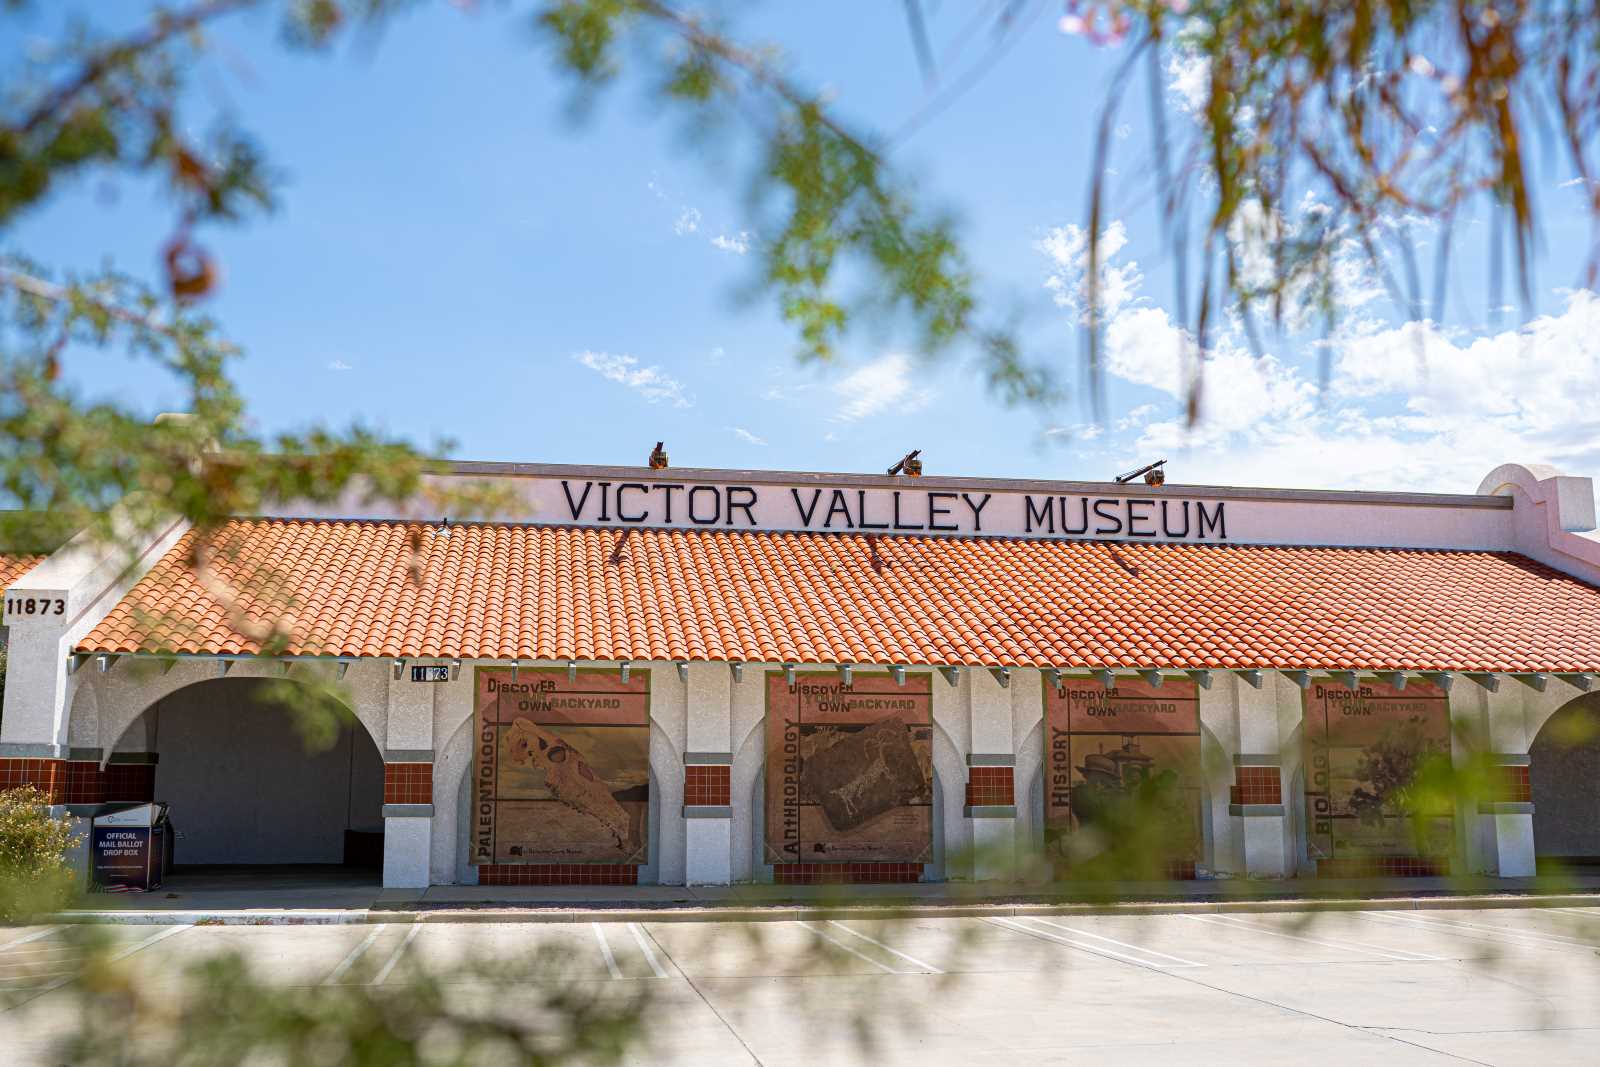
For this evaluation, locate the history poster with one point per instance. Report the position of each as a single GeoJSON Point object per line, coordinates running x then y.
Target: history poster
{"type": "Point", "coordinates": [1120, 757]}
{"type": "Point", "coordinates": [1364, 748]}
{"type": "Point", "coordinates": [562, 771]}
{"type": "Point", "coordinates": [849, 770]}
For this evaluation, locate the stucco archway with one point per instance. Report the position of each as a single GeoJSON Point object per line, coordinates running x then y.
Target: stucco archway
{"type": "Point", "coordinates": [248, 786]}
{"type": "Point", "coordinates": [1565, 779]}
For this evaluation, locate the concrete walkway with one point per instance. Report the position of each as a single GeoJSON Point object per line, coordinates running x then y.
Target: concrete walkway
{"type": "Point", "coordinates": [334, 895]}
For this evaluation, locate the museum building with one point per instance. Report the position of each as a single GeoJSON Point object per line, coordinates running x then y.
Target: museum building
{"type": "Point", "coordinates": [695, 676]}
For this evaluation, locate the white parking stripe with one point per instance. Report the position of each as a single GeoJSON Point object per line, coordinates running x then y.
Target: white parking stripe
{"type": "Point", "coordinates": [1229, 922]}
{"type": "Point", "coordinates": [35, 936]}
{"type": "Point", "coordinates": [1097, 950]}
{"type": "Point", "coordinates": [389, 965]}
{"type": "Point", "coordinates": [1136, 948]}
{"type": "Point", "coordinates": [930, 968]}
{"type": "Point", "coordinates": [605, 950]}
{"type": "Point", "coordinates": [840, 944]}
{"type": "Point", "coordinates": [649, 954]}
{"type": "Point", "coordinates": [1481, 930]}
{"type": "Point", "coordinates": [171, 931]}
{"type": "Point", "coordinates": [355, 954]}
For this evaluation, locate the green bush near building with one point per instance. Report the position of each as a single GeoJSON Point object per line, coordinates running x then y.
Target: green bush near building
{"type": "Point", "coordinates": [34, 876]}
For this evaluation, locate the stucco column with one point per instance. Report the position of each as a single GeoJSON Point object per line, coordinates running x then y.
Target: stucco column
{"type": "Point", "coordinates": [1508, 811]}
{"type": "Point", "coordinates": [408, 783]}
{"type": "Point", "coordinates": [1256, 797]}
{"type": "Point", "coordinates": [991, 802]}
{"type": "Point", "coordinates": [707, 771]}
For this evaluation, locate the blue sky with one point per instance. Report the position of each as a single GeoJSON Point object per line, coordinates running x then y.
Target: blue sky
{"type": "Point", "coordinates": [454, 258]}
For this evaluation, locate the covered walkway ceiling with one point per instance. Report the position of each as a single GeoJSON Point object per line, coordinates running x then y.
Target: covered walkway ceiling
{"type": "Point", "coordinates": [525, 593]}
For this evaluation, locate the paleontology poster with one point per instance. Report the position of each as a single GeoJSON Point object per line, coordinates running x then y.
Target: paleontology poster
{"type": "Point", "coordinates": [562, 769]}
{"type": "Point", "coordinates": [1118, 758]}
{"type": "Point", "coordinates": [1364, 748]}
{"type": "Point", "coordinates": [849, 770]}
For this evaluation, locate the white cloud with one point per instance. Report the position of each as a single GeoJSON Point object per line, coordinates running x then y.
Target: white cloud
{"type": "Point", "coordinates": [652, 383]}
{"type": "Point", "coordinates": [340, 365]}
{"type": "Point", "coordinates": [1067, 248]}
{"type": "Point", "coordinates": [1189, 79]}
{"type": "Point", "coordinates": [738, 244]}
{"type": "Point", "coordinates": [746, 436]}
{"type": "Point", "coordinates": [688, 222]}
{"type": "Point", "coordinates": [1408, 406]}
{"type": "Point", "coordinates": [883, 386]}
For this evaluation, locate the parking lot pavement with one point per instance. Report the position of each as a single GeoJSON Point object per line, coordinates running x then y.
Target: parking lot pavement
{"type": "Point", "coordinates": [1487, 986]}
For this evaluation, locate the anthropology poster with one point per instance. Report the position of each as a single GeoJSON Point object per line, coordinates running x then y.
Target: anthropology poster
{"type": "Point", "coordinates": [849, 771]}
{"type": "Point", "coordinates": [1364, 748]}
{"type": "Point", "coordinates": [1131, 751]}
{"type": "Point", "coordinates": [562, 771]}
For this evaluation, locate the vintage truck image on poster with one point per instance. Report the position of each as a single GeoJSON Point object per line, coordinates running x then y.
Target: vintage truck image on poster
{"type": "Point", "coordinates": [849, 770]}
{"type": "Point", "coordinates": [1364, 750]}
{"type": "Point", "coordinates": [1107, 750]}
{"type": "Point", "coordinates": [562, 771]}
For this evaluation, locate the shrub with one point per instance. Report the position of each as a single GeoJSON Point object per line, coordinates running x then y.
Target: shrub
{"type": "Point", "coordinates": [34, 876]}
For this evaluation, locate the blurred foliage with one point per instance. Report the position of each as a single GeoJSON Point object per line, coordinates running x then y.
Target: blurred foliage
{"type": "Point", "coordinates": [34, 876]}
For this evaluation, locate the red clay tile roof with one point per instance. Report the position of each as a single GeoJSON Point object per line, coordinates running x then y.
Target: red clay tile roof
{"type": "Point", "coordinates": [14, 567]}
{"type": "Point", "coordinates": [556, 593]}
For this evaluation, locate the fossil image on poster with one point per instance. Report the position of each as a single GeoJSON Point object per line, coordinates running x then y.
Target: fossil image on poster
{"type": "Point", "coordinates": [563, 767]}
{"type": "Point", "coordinates": [849, 770]}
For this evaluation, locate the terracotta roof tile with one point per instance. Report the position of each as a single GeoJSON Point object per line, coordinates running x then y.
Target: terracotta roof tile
{"type": "Point", "coordinates": [14, 567]}
{"type": "Point", "coordinates": [552, 592]}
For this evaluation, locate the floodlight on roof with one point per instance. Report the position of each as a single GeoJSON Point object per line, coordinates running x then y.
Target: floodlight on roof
{"type": "Point", "coordinates": [1153, 474]}
{"type": "Point", "coordinates": [658, 457]}
{"type": "Point", "coordinates": [909, 464]}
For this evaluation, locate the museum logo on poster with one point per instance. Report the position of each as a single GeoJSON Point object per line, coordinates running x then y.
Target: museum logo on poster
{"type": "Point", "coordinates": [1110, 752]}
{"type": "Point", "coordinates": [1364, 750]}
{"type": "Point", "coordinates": [562, 768]}
{"type": "Point", "coordinates": [849, 769]}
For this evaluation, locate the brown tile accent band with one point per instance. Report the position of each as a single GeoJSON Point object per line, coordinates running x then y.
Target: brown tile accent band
{"type": "Point", "coordinates": [845, 873]}
{"type": "Point", "coordinates": [990, 787]}
{"type": "Point", "coordinates": [47, 775]}
{"type": "Point", "coordinates": [708, 785]}
{"type": "Point", "coordinates": [558, 874]}
{"type": "Point", "coordinates": [1256, 785]}
{"type": "Point", "coordinates": [408, 783]}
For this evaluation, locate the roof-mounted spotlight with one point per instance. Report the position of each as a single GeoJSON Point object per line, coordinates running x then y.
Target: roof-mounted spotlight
{"type": "Point", "coordinates": [952, 675]}
{"type": "Point", "coordinates": [626, 666]}
{"type": "Point", "coordinates": [683, 670]}
{"type": "Point", "coordinates": [399, 666]}
{"type": "Point", "coordinates": [658, 457]}
{"type": "Point", "coordinates": [1153, 474]}
{"type": "Point", "coordinates": [1152, 679]}
{"type": "Point", "coordinates": [846, 675]}
{"type": "Point", "coordinates": [572, 670]}
{"type": "Point", "coordinates": [1105, 678]}
{"type": "Point", "coordinates": [899, 675]}
{"type": "Point", "coordinates": [455, 669]}
{"type": "Point", "coordinates": [788, 675]}
{"type": "Point", "coordinates": [1054, 674]}
{"type": "Point", "coordinates": [1002, 675]}
{"type": "Point", "coordinates": [104, 663]}
{"type": "Point", "coordinates": [514, 666]}
{"type": "Point", "coordinates": [910, 465]}
{"type": "Point", "coordinates": [737, 670]}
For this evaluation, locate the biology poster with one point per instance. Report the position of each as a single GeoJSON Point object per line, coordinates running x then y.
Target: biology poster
{"type": "Point", "coordinates": [1364, 750]}
{"type": "Point", "coordinates": [562, 770]}
{"type": "Point", "coordinates": [849, 769]}
{"type": "Point", "coordinates": [1122, 773]}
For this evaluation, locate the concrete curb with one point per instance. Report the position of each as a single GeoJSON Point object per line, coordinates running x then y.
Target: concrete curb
{"type": "Point", "coordinates": [794, 913]}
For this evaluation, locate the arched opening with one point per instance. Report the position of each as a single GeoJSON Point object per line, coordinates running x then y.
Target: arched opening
{"type": "Point", "coordinates": [1565, 780]}
{"type": "Point", "coordinates": [248, 789]}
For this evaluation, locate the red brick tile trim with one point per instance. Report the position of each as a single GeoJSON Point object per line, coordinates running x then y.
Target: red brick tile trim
{"type": "Point", "coordinates": [1512, 785]}
{"type": "Point", "coordinates": [845, 873]}
{"type": "Point", "coordinates": [990, 785]}
{"type": "Point", "coordinates": [711, 784]}
{"type": "Point", "coordinates": [48, 775]}
{"type": "Point", "coordinates": [1385, 867]}
{"type": "Point", "coordinates": [1256, 785]}
{"type": "Point", "coordinates": [408, 783]}
{"type": "Point", "coordinates": [86, 783]}
{"type": "Point", "coordinates": [558, 874]}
